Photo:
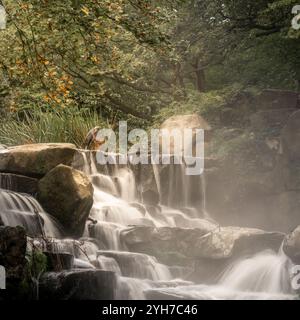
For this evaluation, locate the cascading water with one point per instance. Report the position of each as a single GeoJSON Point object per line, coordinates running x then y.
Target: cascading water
{"type": "Point", "coordinates": [21, 209]}
{"type": "Point", "coordinates": [264, 276]}
{"type": "Point", "coordinates": [6, 182]}
{"type": "Point", "coordinates": [116, 206]}
{"type": "Point", "coordinates": [139, 276]}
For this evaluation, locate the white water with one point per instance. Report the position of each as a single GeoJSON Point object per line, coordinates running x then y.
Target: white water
{"type": "Point", "coordinates": [263, 276]}
{"type": "Point", "coordinates": [116, 206]}
{"type": "Point", "coordinates": [21, 209]}
{"type": "Point", "coordinates": [137, 265]}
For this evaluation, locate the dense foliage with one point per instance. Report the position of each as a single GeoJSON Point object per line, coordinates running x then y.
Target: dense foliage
{"type": "Point", "coordinates": [85, 62]}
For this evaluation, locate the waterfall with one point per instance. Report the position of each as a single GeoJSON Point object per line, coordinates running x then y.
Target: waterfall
{"type": "Point", "coordinates": [116, 206]}
{"type": "Point", "coordinates": [140, 276]}
{"type": "Point", "coordinates": [183, 191]}
{"type": "Point", "coordinates": [109, 233]}
{"type": "Point", "coordinates": [21, 209]}
{"type": "Point", "coordinates": [126, 182]}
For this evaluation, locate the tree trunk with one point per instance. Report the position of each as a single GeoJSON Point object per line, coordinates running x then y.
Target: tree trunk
{"type": "Point", "coordinates": [200, 77]}
{"type": "Point", "coordinates": [179, 76]}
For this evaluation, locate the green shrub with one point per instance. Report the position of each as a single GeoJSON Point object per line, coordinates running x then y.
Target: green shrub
{"type": "Point", "coordinates": [70, 126]}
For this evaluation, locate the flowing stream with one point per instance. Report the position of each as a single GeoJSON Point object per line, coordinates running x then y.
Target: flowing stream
{"type": "Point", "coordinates": [117, 205]}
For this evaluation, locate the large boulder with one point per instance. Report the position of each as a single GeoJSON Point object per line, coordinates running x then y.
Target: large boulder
{"type": "Point", "coordinates": [291, 245]}
{"type": "Point", "coordinates": [36, 160]}
{"type": "Point", "coordinates": [67, 194]}
{"type": "Point", "coordinates": [217, 243]}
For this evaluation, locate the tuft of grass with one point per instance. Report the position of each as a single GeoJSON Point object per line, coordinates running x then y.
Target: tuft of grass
{"type": "Point", "coordinates": [70, 126]}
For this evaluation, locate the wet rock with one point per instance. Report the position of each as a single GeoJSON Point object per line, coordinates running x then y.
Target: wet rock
{"type": "Point", "coordinates": [12, 251]}
{"type": "Point", "coordinates": [208, 242]}
{"type": "Point", "coordinates": [233, 241]}
{"type": "Point", "coordinates": [291, 246]}
{"type": "Point", "coordinates": [18, 183]}
{"type": "Point", "coordinates": [157, 241]}
{"type": "Point", "coordinates": [78, 285]}
{"type": "Point", "coordinates": [174, 259]}
{"type": "Point", "coordinates": [35, 160]}
{"type": "Point", "coordinates": [67, 194]}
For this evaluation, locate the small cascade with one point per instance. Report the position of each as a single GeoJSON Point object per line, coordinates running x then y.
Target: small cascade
{"type": "Point", "coordinates": [6, 182]}
{"type": "Point", "coordinates": [131, 289]}
{"type": "Point", "coordinates": [108, 233]}
{"type": "Point", "coordinates": [265, 272]}
{"type": "Point", "coordinates": [109, 264]}
{"type": "Point", "coordinates": [84, 250]}
{"type": "Point", "coordinates": [137, 265]}
{"type": "Point", "coordinates": [126, 183]}
{"type": "Point", "coordinates": [21, 209]}
{"type": "Point", "coordinates": [182, 191]}
{"type": "Point", "coordinates": [264, 276]}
